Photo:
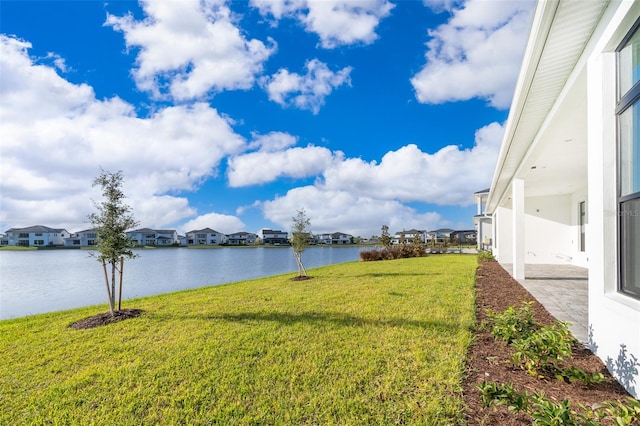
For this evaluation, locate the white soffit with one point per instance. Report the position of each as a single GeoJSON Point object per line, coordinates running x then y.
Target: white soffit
{"type": "Point", "coordinates": [552, 53]}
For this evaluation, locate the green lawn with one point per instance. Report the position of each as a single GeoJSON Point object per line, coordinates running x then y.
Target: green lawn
{"type": "Point", "coordinates": [361, 343]}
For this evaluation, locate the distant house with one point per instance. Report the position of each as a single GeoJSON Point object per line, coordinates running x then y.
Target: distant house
{"type": "Point", "coordinates": [241, 239]}
{"type": "Point", "coordinates": [463, 237]}
{"type": "Point", "coordinates": [85, 238]}
{"type": "Point", "coordinates": [409, 236]}
{"type": "Point", "coordinates": [154, 237]}
{"type": "Point", "coordinates": [4, 241]}
{"type": "Point", "coordinates": [439, 235]}
{"type": "Point", "coordinates": [36, 236]}
{"type": "Point", "coordinates": [482, 221]}
{"type": "Point", "coordinates": [334, 238]}
{"type": "Point", "coordinates": [205, 237]}
{"type": "Point", "coordinates": [273, 237]}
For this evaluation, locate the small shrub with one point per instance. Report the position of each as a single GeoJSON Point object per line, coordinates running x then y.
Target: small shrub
{"type": "Point", "coordinates": [501, 394]}
{"type": "Point", "coordinates": [545, 412]}
{"type": "Point", "coordinates": [541, 350]}
{"type": "Point", "coordinates": [512, 324]}
{"type": "Point", "coordinates": [623, 414]}
{"type": "Point", "coordinates": [402, 251]}
{"type": "Point", "coordinates": [545, 350]}
{"type": "Point", "coordinates": [485, 255]}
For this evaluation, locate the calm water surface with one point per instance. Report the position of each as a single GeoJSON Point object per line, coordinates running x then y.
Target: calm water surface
{"type": "Point", "coordinates": [33, 282]}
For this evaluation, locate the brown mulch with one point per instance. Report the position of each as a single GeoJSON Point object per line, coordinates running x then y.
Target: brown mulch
{"type": "Point", "coordinates": [490, 360]}
{"type": "Point", "coordinates": [106, 318]}
{"type": "Point", "coordinates": [301, 278]}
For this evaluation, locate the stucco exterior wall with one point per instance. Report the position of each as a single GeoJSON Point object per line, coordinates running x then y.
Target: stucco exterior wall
{"type": "Point", "coordinates": [614, 318]}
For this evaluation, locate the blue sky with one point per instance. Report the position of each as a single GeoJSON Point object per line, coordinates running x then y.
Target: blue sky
{"type": "Point", "coordinates": [233, 115]}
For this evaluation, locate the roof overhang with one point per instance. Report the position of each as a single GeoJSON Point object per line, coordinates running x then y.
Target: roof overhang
{"type": "Point", "coordinates": [549, 103]}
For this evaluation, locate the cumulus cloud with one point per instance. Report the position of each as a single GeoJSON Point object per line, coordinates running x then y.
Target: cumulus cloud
{"type": "Point", "coordinates": [409, 174]}
{"type": "Point", "coordinates": [336, 22]}
{"type": "Point", "coordinates": [439, 6]}
{"type": "Point", "coordinates": [266, 166]}
{"type": "Point", "coordinates": [355, 194]}
{"type": "Point", "coordinates": [305, 91]}
{"type": "Point", "coordinates": [191, 48]}
{"type": "Point", "coordinates": [273, 141]}
{"type": "Point", "coordinates": [56, 135]}
{"type": "Point", "coordinates": [476, 54]}
{"type": "Point", "coordinates": [344, 211]}
{"type": "Point", "coordinates": [223, 223]}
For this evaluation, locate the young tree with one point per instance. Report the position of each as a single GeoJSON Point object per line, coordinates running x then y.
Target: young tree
{"type": "Point", "coordinates": [300, 238]}
{"type": "Point", "coordinates": [385, 238]}
{"type": "Point", "coordinates": [111, 222]}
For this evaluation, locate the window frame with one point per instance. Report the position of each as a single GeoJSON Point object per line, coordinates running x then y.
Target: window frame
{"type": "Point", "coordinates": [624, 101]}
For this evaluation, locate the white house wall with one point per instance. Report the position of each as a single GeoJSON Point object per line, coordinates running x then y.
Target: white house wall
{"type": "Point", "coordinates": [614, 318]}
{"type": "Point", "coordinates": [502, 225]}
{"type": "Point", "coordinates": [548, 229]}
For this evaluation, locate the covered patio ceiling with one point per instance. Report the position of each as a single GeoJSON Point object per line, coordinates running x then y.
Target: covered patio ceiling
{"type": "Point", "coordinates": [557, 164]}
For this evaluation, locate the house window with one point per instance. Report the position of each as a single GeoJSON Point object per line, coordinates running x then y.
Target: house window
{"type": "Point", "coordinates": [582, 222]}
{"type": "Point", "coordinates": [628, 114]}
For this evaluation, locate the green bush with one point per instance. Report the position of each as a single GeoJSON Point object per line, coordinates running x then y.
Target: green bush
{"type": "Point", "coordinates": [541, 350]}
{"type": "Point", "coordinates": [544, 350]}
{"type": "Point", "coordinates": [545, 412]}
{"type": "Point", "coordinates": [513, 324]}
{"type": "Point", "coordinates": [402, 251]}
{"type": "Point", "coordinates": [485, 255]}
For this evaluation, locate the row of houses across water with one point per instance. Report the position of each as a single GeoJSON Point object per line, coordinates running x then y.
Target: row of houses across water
{"type": "Point", "coordinates": [44, 236]}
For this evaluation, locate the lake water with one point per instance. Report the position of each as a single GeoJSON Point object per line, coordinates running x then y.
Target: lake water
{"type": "Point", "coordinates": [33, 282]}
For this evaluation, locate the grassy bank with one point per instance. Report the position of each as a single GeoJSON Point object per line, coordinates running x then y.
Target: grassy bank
{"type": "Point", "coordinates": [360, 343]}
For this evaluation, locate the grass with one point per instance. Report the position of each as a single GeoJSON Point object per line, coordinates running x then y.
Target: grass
{"type": "Point", "coordinates": [17, 248]}
{"type": "Point", "coordinates": [361, 343]}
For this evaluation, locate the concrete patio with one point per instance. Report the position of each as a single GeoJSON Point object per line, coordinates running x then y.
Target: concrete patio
{"type": "Point", "coordinates": [563, 291]}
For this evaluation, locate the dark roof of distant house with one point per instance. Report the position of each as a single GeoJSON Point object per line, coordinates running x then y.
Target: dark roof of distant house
{"type": "Point", "coordinates": [37, 228]}
{"type": "Point", "coordinates": [205, 230]}
{"type": "Point", "coordinates": [338, 234]}
{"type": "Point", "coordinates": [483, 191]}
{"type": "Point", "coordinates": [157, 231]}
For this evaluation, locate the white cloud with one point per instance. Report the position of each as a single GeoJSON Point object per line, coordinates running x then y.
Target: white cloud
{"type": "Point", "coordinates": [262, 167]}
{"type": "Point", "coordinates": [476, 54]}
{"type": "Point", "coordinates": [409, 174]}
{"type": "Point", "coordinates": [356, 194]}
{"type": "Point", "coordinates": [218, 222]}
{"type": "Point", "coordinates": [343, 211]}
{"type": "Point", "coordinates": [273, 141]}
{"type": "Point", "coordinates": [439, 6]}
{"type": "Point", "coordinates": [305, 91]}
{"type": "Point", "coordinates": [193, 47]}
{"type": "Point", "coordinates": [336, 22]}
{"type": "Point", "coordinates": [55, 135]}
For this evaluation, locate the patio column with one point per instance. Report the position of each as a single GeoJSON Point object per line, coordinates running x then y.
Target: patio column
{"type": "Point", "coordinates": [517, 200]}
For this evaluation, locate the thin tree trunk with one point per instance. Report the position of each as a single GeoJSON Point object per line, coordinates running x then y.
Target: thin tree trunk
{"type": "Point", "coordinates": [301, 271]}
{"type": "Point", "coordinates": [113, 285]}
{"type": "Point", "coordinates": [120, 292]}
{"type": "Point", "coordinates": [106, 281]}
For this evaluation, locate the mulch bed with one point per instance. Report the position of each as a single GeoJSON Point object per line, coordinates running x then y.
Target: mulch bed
{"type": "Point", "coordinates": [490, 360]}
{"type": "Point", "coordinates": [106, 318]}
